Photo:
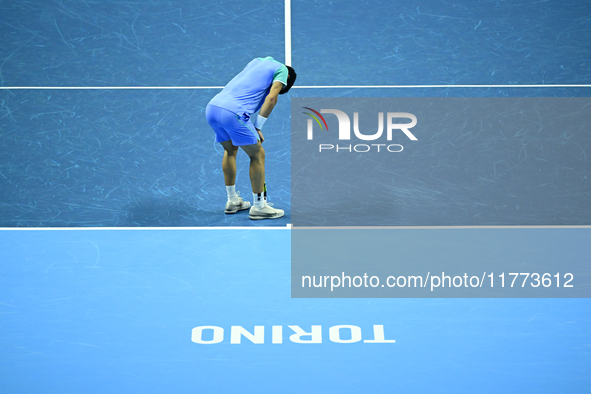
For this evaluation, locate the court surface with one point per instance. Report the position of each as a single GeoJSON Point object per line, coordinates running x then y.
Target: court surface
{"type": "Point", "coordinates": [113, 311]}
{"type": "Point", "coordinates": [114, 245]}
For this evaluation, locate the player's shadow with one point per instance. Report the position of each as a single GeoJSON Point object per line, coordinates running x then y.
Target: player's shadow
{"type": "Point", "coordinates": [161, 212]}
{"type": "Point", "coordinates": [177, 212]}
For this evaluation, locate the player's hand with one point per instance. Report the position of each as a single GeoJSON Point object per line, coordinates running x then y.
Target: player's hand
{"type": "Point", "coordinates": [262, 139]}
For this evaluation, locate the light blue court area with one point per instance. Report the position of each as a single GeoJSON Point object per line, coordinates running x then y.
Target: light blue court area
{"type": "Point", "coordinates": [99, 311]}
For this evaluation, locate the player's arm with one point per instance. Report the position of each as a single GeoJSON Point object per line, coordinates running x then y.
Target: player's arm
{"type": "Point", "coordinates": [271, 99]}
{"type": "Point", "coordinates": [267, 107]}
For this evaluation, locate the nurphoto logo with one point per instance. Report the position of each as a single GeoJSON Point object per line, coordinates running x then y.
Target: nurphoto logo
{"type": "Point", "coordinates": [345, 130]}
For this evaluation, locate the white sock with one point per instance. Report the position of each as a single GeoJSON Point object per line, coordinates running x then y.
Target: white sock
{"type": "Point", "coordinates": [259, 200]}
{"type": "Point", "coordinates": [231, 190]}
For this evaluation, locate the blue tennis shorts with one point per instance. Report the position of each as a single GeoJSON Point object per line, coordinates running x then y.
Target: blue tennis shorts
{"type": "Point", "coordinates": [229, 126]}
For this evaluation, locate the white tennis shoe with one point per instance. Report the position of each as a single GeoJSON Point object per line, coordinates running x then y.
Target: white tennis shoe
{"type": "Point", "coordinates": [266, 212]}
{"type": "Point", "coordinates": [237, 205]}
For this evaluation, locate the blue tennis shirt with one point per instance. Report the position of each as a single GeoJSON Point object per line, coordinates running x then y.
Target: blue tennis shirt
{"type": "Point", "coordinates": [246, 92]}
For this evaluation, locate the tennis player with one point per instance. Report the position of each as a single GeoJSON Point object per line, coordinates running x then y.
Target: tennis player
{"type": "Point", "coordinates": [229, 113]}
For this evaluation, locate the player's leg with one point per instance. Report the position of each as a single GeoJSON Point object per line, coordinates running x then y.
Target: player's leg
{"type": "Point", "coordinates": [229, 162]}
{"type": "Point", "coordinates": [256, 153]}
{"type": "Point", "coordinates": [216, 117]}
{"type": "Point", "coordinates": [260, 209]}
{"type": "Point", "coordinates": [235, 203]}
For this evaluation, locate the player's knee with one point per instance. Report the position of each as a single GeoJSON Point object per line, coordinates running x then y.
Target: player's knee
{"type": "Point", "coordinates": [255, 151]}
{"type": "Point", "coordinates": [258, 157]}
{"type": "Point", "coordinates": [262, 154]}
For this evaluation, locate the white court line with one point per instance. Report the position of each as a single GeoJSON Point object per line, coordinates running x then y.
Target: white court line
{"type": "Point", "coordinates": [294, 87]}
{"type": "Point", "coordinates": [107, 87]}
{"type": "Point", "coordinates": [288, 32]}
{"type": "Point", "coordinates": [437, 227]}
{"type": "Point", "coordinates": [286, 227]}
{"type": "Point", "coordinates": [289, 226]}
{"type": "Point", "coordinates": [441, 86]}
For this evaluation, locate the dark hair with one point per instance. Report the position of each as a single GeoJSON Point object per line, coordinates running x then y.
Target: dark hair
{"type": "Point", "coordinates": [290, 80]}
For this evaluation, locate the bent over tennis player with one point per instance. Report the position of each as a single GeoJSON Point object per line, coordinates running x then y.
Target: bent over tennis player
{"type": "Point", "coordinates": [229, 113]}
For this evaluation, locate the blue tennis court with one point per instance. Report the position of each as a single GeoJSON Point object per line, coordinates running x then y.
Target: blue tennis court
{"type": "Point", "coordinates": [120, 271]}
{"type": "Point", "coordinates": [114, 310]}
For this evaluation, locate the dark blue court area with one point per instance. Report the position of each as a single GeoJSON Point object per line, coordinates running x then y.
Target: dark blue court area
{"type": "Point", "coordinates": [105, 154]}
{"type": "Point", "coordinates": [123, 158]}
{"type": "Point", "coordinates": [147, 157]}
